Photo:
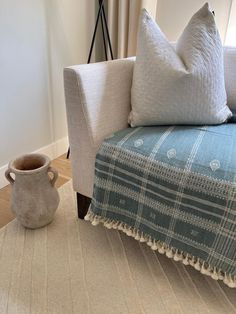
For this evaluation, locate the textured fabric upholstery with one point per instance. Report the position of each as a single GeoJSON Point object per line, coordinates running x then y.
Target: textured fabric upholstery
{"type": "Point", "coordinates": [230, 75]}
{"type": "Point", "coordinates": [98, 103]}
{"type": "Point", "coordinates": [183, 85]}
{"type": "Point", "coordinates": [174, 185]}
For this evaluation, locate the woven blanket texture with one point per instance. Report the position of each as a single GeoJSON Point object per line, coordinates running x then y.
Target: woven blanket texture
{"type": "Point", "coordinates": [174, 186]}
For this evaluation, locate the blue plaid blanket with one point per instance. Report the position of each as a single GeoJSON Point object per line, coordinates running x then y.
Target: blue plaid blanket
{"type": "Point", "coordinates": [175, 188]}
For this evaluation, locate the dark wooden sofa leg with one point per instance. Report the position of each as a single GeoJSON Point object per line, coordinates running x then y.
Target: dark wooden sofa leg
{"type": "Point", "coordinates": [83, 203]}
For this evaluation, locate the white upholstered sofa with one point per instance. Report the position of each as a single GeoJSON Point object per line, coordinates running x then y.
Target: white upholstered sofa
{"type": "Point", "coordinates": [98, 103]}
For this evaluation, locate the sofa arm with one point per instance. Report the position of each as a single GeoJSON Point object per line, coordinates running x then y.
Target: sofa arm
{"type": "Point", "coordinates": [97, 104]}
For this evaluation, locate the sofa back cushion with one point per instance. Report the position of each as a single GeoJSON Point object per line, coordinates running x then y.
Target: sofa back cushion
{"type": "Point", "coordinates": [183, 85]}
{"type": "Point", "coordinates": [230, 75]}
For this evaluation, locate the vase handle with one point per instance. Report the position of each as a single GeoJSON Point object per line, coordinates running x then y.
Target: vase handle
{"type": "Point", "coordinates": [55, 175]}
{"type": "Point", "coordinates": [9, 177]}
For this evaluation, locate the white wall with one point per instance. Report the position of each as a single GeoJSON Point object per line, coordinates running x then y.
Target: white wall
{"type": "Point", "coordinates": [24, 121]}
{"type": "Point", "coordinates": [70, 26]}
{"type": "Point", "coordinates": [37, 40]}
{"type": "Point", "coordinates": [173, 15]}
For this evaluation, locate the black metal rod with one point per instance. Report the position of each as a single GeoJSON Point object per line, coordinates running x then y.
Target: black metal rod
{"type": "Point", "coordinates": [68, 153]}
{"type": "Point", "coordinates": [107, 31]}
{"type": "Point", "coordinates": [95, 30]}
{"type": "Point", "coordinates": [104, 38]}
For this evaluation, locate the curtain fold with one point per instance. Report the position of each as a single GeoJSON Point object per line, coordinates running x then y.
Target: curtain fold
{"type": "Point", "coordinates": [230, 39]}
{"type": "Point", "coordinates": [123, 18]}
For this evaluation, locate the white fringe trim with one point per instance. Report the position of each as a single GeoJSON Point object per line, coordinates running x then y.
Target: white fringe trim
{"type": "Point", "coordinates": [162, 248]}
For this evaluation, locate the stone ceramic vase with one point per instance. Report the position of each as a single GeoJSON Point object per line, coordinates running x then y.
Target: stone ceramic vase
{"type": "Point", "coordinates": [34, 196]}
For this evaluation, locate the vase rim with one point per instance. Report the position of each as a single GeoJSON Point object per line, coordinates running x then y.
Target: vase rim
{"type": "Point", "coordinates": [29, 163]}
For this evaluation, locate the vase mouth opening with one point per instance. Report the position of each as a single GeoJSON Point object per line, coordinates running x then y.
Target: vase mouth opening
{"type": "Point", "coordinates": [29, 163]}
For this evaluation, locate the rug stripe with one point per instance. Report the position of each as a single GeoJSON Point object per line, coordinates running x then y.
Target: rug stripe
{"type": "Point", "coordinates": [7, 263]}
{"type": "Point", "coordinates": [103, 280]}
{"type": "Point", "coordinates": [197, 302]}
{"type": "Point", "coordinates": [164, 289]}
{"type": "Point", "coordinates": [127, 284]}
{"type": "Point", "coordinates": [57, 266]}
{"type": "Point", "coordinates": [179, 286]}
{"type": "Point", "coordinates": [17, 269]}
{"type": "Point", "coordinates": [80, 297]}
{"type": "Point", "coordinates": [151, 301]}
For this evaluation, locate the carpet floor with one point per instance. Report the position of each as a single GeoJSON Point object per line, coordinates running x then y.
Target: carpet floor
{"type": "Point", "coordinates": [72, 267]}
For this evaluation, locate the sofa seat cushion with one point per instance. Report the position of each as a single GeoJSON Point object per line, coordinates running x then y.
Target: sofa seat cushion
{"type": "Point", "coordinates": [173, 186]}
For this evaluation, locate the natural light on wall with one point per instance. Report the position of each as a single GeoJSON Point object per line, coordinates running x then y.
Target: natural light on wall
{"type": "Point", "coordinates": [230, 39]}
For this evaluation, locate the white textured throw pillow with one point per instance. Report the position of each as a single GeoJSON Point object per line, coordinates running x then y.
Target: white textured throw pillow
{"type": "Point", "coordinates": [182, 85]}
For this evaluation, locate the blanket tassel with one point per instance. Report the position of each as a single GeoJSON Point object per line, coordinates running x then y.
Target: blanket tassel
{"type": "Point", "coordinates": [162, 248]}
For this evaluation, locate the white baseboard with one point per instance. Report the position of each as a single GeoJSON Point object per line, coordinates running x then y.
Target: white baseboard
{"type": "Point", "coordinates": [53, 151]}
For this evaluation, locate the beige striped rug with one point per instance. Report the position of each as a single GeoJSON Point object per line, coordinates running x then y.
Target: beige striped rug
{"type": "Point", "coordinates": [72, 267]}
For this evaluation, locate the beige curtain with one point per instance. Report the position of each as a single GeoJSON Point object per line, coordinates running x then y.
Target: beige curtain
{"type": "Point", "coordinates": [123, 17]}
{"type": "Point", "coordinates": [230, 38]}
